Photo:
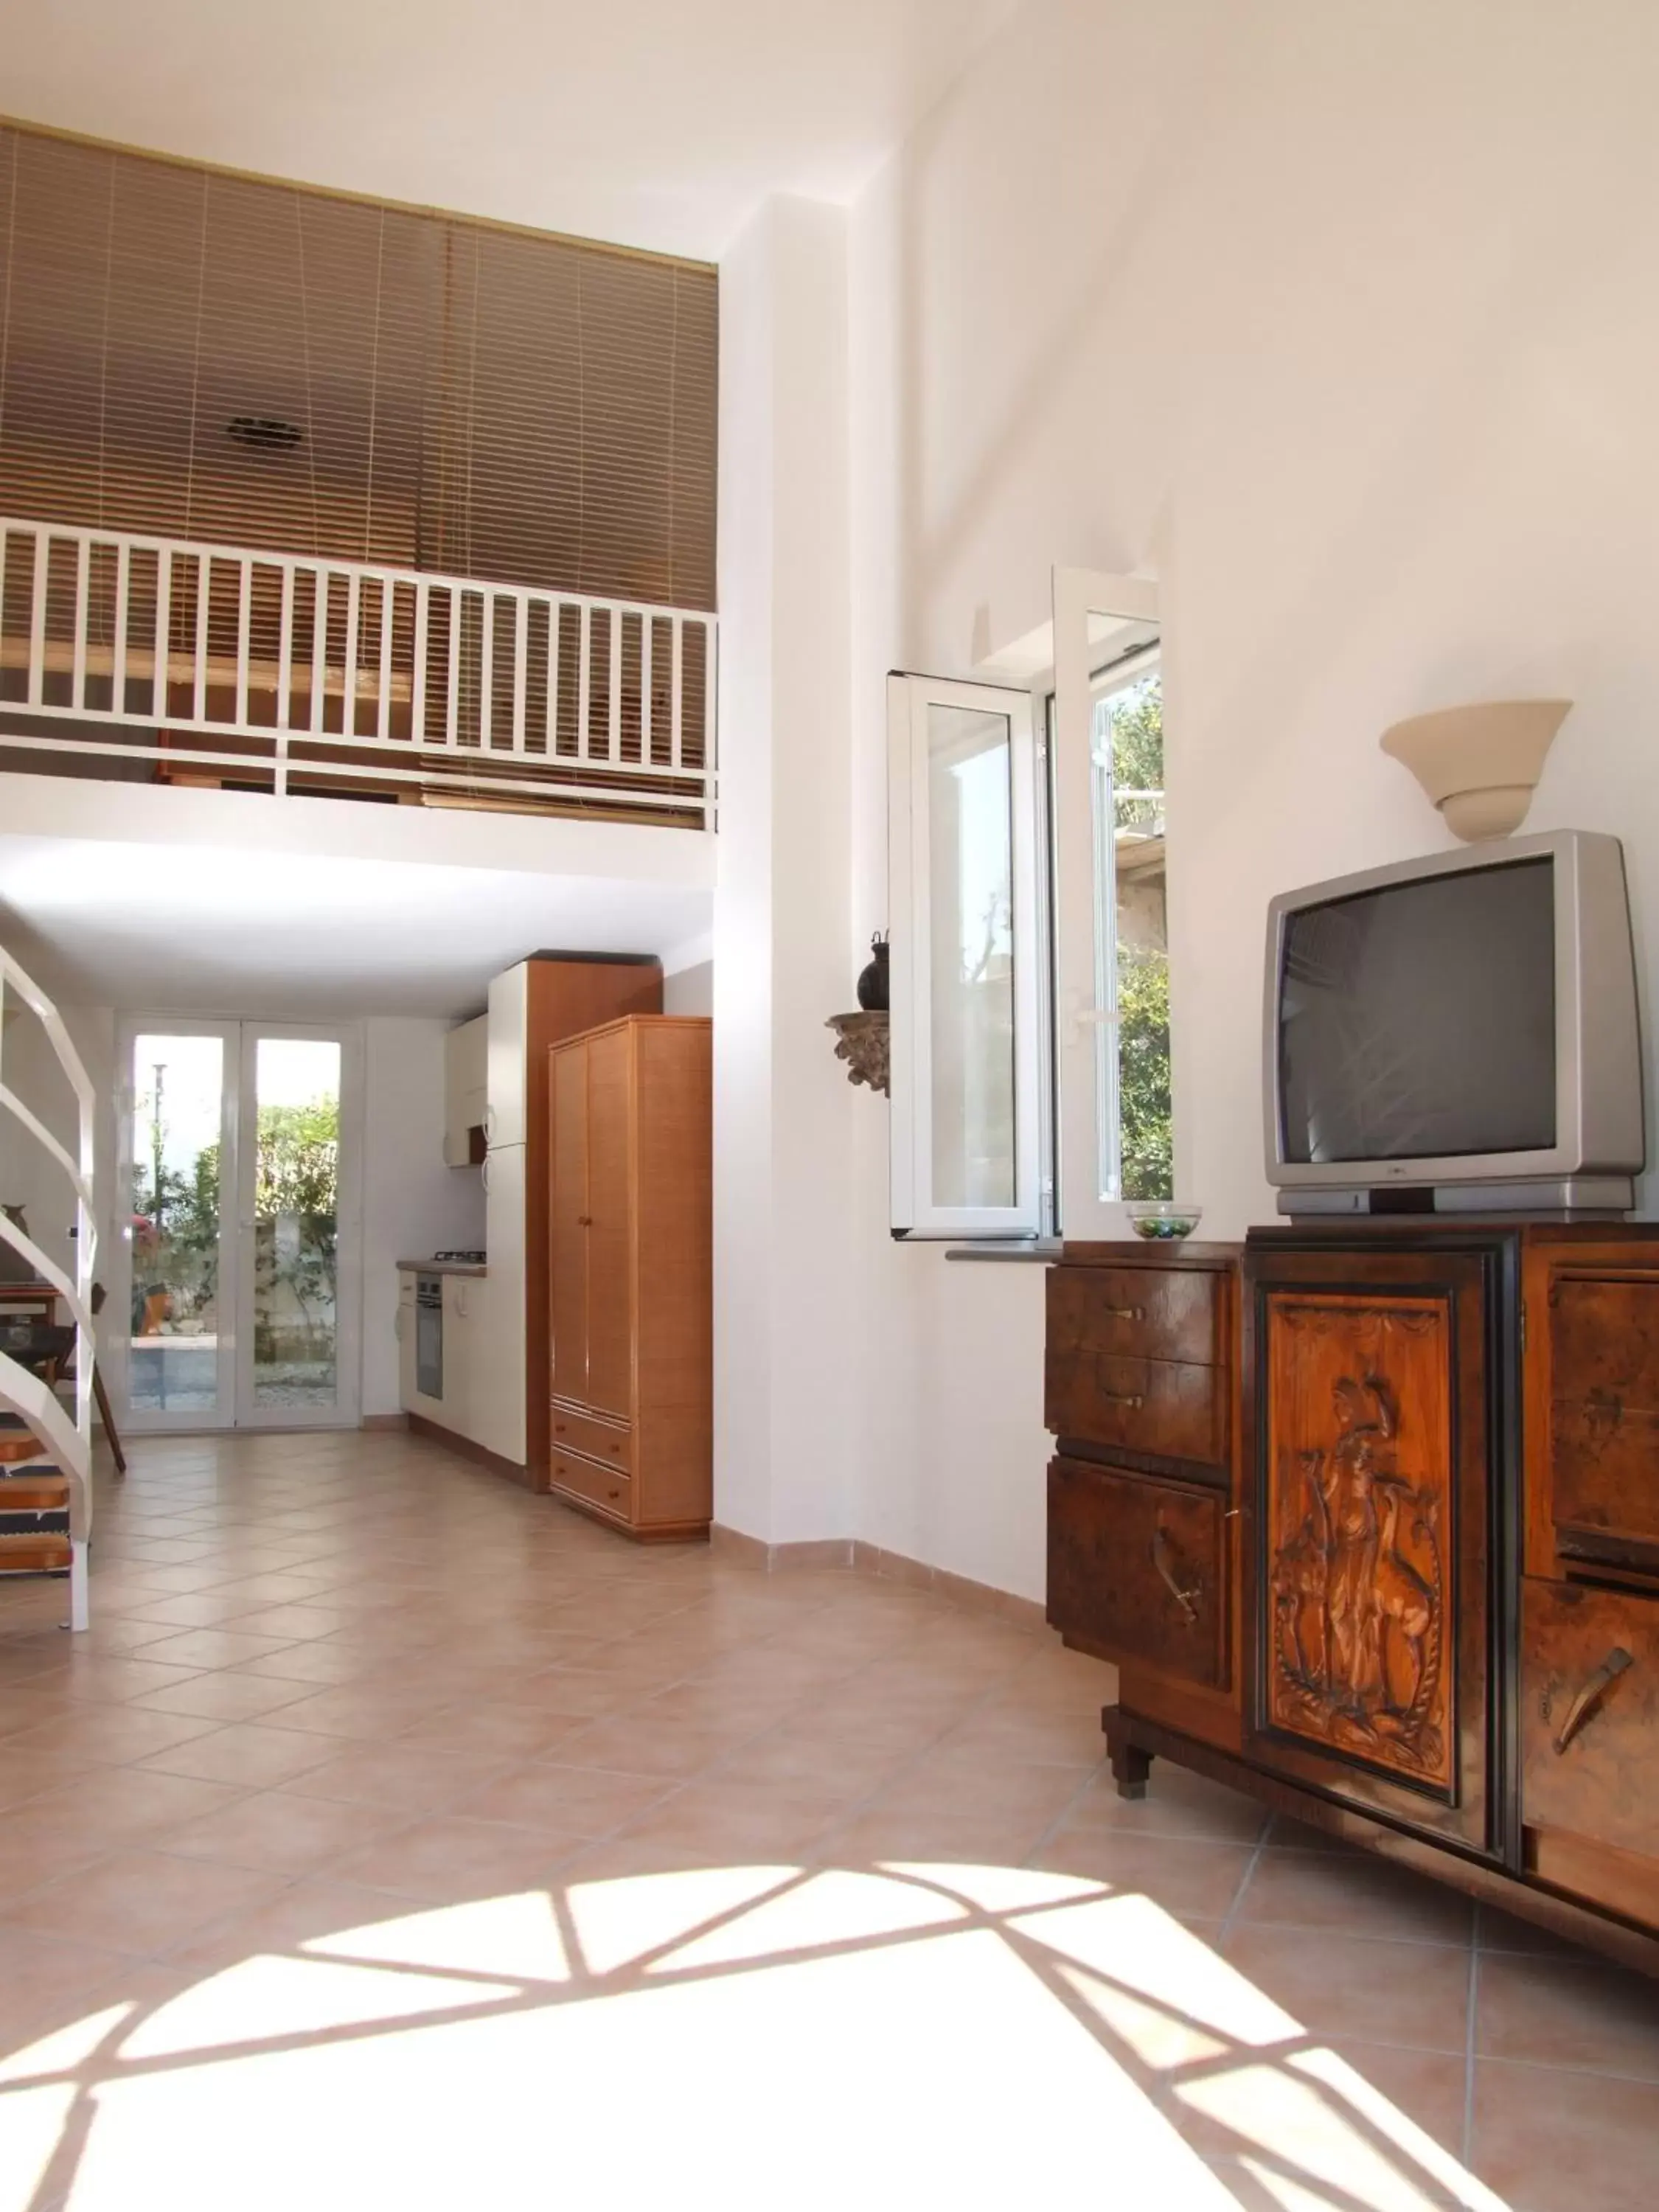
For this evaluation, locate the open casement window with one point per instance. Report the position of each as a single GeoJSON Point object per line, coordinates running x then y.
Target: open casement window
{"type": "Point", "coordinates": [1111, 982]}
{"type": "Point", "coordinates": [968, 949]}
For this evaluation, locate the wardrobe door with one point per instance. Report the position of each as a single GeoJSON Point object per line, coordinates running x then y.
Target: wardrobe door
{"type": "Point", "coordinates": [609, 1224]}
{"type": "Point", "coordinates": [568, 1210]}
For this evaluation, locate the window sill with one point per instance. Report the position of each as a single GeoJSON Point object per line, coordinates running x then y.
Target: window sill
{"type": "Point", "coordinates": [1041, 1250]}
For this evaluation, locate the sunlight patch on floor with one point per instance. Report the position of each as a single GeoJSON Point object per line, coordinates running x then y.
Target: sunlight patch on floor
{"type": "Point", "coordinates": [934, 2035]}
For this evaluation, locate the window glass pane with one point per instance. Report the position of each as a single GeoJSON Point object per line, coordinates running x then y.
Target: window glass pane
{"type": "Point", "coordinates": [969, 843]}
{"type": "Point", "coordinates": [296, 1230]}
{"type": "Point", "coordinates": [178, 1091]}
{"type": "Point", "coordinates": [1132, 944]}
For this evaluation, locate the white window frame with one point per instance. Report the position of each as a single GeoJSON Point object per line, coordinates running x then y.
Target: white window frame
{"type": "Point", "coordinates": [915, 1213]}
{"type": "Point", "coordinates": [1085, 859]}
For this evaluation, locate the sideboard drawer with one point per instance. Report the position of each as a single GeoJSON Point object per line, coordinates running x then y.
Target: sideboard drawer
{"type": "Point", "coordinates": [1135, 1569]}
{"type": "Point", "coordinates": [1150, 1312]}
{"type": "Point", "coordinates": [1604, 1420]}
{"type": "Point", "coordinates": [1590, 1714]}
{"type": "Point", "coordinates": [1163, 1407]}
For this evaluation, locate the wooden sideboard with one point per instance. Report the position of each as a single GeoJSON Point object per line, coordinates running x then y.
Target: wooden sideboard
{"type": "Point", "coordinates": [1368, 1518]}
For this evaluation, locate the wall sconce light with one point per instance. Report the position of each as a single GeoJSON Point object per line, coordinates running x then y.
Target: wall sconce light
{"type": "Point", "coordinates": [1480, 765]}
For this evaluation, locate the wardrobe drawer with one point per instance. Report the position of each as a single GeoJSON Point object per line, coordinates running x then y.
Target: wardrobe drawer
{"type": "Point", "coordinates": [1161, 1406]}
{"type": "Point", "coordinates": [601, 1440]}
{"type": "Point", "coordinates": [1153, 1313]}
{"type": "Point", "coordinates": [1590, 1714]}
{"type": "Point", "coordinates": [1135, 1569]}
{"type": "Point", "coordinates": [611, 1491]}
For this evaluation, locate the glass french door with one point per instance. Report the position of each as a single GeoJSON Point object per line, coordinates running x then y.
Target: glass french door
{"type": "Point", "coordinates": [242, 1241]}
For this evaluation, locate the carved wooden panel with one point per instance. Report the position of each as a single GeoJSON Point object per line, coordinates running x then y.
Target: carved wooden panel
{"type": "Point", "coordinates": [1358, 1512]}
{"type": "Point", "coordinates": [1136, 1570]}
{"type": "Point", "coordinates": [1604, 1420]}
{"type": "Point", "coordinates": [1590, 1714]}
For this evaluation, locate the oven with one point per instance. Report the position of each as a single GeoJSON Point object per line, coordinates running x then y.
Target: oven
{"type": "Point", "coordinates": [430, 1335]}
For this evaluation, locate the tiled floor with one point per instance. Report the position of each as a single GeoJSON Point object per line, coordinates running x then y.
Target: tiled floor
{"type": "Point", "coordinates": [396, 1838]}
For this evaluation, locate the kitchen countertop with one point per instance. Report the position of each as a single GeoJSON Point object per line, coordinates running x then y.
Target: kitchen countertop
{"type": "Point", "coordinates": [441, 1268]}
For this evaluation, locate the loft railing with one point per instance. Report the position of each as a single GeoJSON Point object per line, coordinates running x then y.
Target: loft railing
{"type": "Point", "coordinates": [28, 1394]}
{"type": "Point", "coordinates": [193, 662]}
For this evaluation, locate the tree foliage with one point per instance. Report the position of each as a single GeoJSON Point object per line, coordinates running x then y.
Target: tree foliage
{"type": "Point", "coordinates": [1142, 983]}
{"type": "Point", "coordinates": [296, 1182]}
{"type": "Point", "coordinates": [1143, 1046]}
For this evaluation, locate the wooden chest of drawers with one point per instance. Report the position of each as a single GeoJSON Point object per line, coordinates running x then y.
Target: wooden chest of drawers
{"type": "Point", "coordinates": [1367, 1517]}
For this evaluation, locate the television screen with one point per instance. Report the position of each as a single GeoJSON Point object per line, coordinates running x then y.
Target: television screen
{"type": "Point", "coordinates": [1418, 1022]}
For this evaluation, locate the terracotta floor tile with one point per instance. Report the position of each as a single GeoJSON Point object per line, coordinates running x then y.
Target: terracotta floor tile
{"type": "Point", "coordinates": [110, 1735]}
{"type": "Point", "coordinates": [638, 1746]}
{"type": "Point", "coordinates": [449, 1857]}
{"type": "Point", "coordinates": [139, 1901]}
{"type": "Point", "coordinates": [1179, 1873]}
{"type": "Point", "coordinates": [571, 1800]}
{"type": "Point", "coordinates": [1548, 2141]}
{"type": "Point", "coordinates": [1176, 1803]}
{"type": "Point", "coordinates": [210, 1646]}
{"type": "Point", "coordinates": [1566, 2011]}
{"type": "Point", "coordinates": [1414, 1994]}
{"type": "Point", "coordinates": [117, 1804]}
{"type": "Point", "coordinates": [283, 1833]}
{"type": "Point", "coordinates": [248, 1755]}
{"type": "Point", "coordinates": [224, 1696]}
{"type": "Point", "coordinates": [322, 1665]}
{"type": "Point", "coordinates": [1354, 1892]}
{"type": "Point", "coordinates": [415, 1778]}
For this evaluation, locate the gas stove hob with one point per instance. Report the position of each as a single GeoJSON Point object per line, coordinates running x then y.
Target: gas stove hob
{"type": "Point", "coordinates": [462, 1259]}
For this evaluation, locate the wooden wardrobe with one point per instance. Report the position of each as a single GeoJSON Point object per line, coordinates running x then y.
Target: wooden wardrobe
{"type": "Point", "coordinates": [629, 1274]}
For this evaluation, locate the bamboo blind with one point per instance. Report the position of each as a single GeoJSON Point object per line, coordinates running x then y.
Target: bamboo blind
{"type": "Point", "coordinates": [531, 410]}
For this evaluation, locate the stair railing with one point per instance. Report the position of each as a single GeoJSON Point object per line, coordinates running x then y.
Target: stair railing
{"type": "Point", "coordinates": [28, 1394]}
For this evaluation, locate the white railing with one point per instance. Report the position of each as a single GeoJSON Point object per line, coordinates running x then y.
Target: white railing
{"type": "Point", "coordinates": [32, 1399]}
{"type": "Point", "coordinates": [270, 670]}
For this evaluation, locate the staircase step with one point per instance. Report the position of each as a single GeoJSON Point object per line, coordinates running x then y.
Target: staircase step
{"type": "Point", "coordinates": [41, 1490]}
{"type": "Point", "coordinates": [16, 1445]}
{"type": "Point", "coordinates": [34, 1554]}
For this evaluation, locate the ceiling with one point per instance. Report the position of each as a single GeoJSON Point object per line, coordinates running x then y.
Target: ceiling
{"type": "Point", "coordinates": [301, 937]}
{"type": "Point", "coordinates": [653, 123]}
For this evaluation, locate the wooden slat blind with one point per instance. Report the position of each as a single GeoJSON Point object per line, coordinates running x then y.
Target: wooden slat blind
{"type": "Point", "coordinates": [531, 410]}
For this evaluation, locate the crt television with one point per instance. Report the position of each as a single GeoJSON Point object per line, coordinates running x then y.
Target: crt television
{"type": "Point", "coordinates": [1457, 1034]}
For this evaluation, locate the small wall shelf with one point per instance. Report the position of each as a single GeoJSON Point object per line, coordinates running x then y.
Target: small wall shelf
{"type": "Point", "coordinates": [861, 1042]}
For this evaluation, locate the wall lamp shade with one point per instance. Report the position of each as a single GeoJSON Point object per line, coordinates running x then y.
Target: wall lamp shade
{"type": "Point", "coordinates": [1480, 765]}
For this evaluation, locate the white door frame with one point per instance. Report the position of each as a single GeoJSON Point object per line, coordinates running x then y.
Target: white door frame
{"type": "Point", "coordinates": [233, 1373]}
{"type": "Point", "coordinates": [349, 1249]}
{"type": "Point", "coordinates": [119, 1342]}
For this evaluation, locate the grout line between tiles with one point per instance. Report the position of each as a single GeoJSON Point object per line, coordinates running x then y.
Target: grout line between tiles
{"type": "Point", "coordinates": [1470, 2037]}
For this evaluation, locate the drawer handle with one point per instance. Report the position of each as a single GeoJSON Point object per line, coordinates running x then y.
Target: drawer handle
{"type": "Point", "coordinates": [1616, 1663]}
{"type": "Point", "coordinates": [1133, 1398]}
{"type": "Point", "coordinates": [1162, 1560]}
{"type": "Point", "coordinates": [1124, 1313]}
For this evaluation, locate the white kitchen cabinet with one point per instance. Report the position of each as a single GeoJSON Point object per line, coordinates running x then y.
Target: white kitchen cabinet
{"type": "Point", "coordinates": [466, 1055]}
{"type": "Point", "coordinates": [460, 1412]}
{"type": "Point", "coordinates": [497, 1346]}
{"type": "Point", "coordinates": [508, 1027]}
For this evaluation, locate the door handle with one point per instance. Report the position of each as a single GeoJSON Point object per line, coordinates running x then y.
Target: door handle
{"type": "Point", "coordinates": [1617, 1662]}
{"type": "Point", "coordinates": [1164, 1560]}
{"type": "Point", "coordinates": [1124, 1313]}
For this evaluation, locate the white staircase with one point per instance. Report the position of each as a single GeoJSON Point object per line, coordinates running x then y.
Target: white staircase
{"type": "Point", "coordinates": [46, 1455]}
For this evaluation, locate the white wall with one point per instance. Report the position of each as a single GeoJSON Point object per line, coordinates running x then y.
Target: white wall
{"type": "Point", "coordinates": [1338, 321]}
{"type": "Point", "coordinates": [784, 1118]}
{"type": "Point", "coordinates": [413, 1205]}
